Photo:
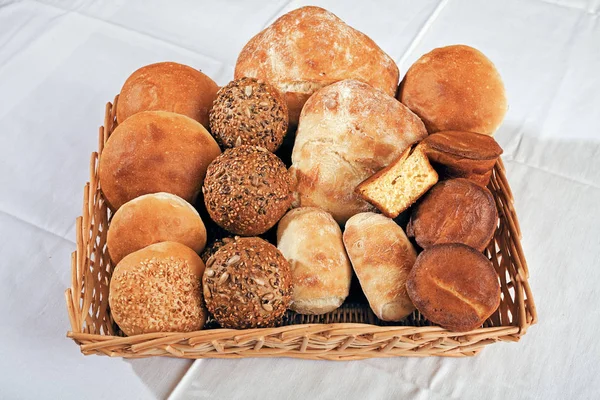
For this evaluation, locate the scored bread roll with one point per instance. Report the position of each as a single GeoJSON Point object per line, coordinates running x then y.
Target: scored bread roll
{"type": "Point", "coordinates": [347, 132]}
{"type": "Point", "coordinates": [382, 258]}
{"type": "Point", "coordinates": [167, 86]}
{"type": "Point", "coordinates": [311, 241]}
{"type": "Point", "coordinates": [154, 218]}
{"type": "Point", "coordinates": [309, 48]}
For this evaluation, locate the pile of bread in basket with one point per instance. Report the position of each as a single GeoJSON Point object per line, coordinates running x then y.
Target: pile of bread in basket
{"type": "Point", "coordinates": [312, 165]}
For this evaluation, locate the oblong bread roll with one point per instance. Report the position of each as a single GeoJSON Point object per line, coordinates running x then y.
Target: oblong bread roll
{"type": "Point", "coordinates": [311, 241]}
{"type": "Point", "coordinates": [382, 257]}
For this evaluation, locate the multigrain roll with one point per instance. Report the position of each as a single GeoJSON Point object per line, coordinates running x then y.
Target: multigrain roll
{"type": "Point", "coordinates": [249, 111]}
{"type": "Point", "coordinates": [455, 88]}
{"type": "Point", "coordinates": [247, 284]}
{"type": "Point", "coordinates": [247, 190]}
{"type": "Point", "coordinates": [155, 151]}
{"type": "Point", "coordinates": [154, 218]}
{"type": "Point", "coordinates": [167, 86]}
{"type": "Point", "coordinates": [454, 286]}
{"type": "Point", "coordinates": [309, 48]}
{"type": "Point", "coordinates": [311, 240]}
{"type": "Point", "coordinates": [157, 289]}
{"type": "Point", "coordinates": [382, 257]}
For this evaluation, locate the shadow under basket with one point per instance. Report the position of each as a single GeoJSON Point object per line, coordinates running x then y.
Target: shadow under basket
{"type": "Point", "coordinates": [350, 333]}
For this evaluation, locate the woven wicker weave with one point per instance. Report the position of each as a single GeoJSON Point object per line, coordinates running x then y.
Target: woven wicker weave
{"type": "Point", "coordinates": [349, 333]}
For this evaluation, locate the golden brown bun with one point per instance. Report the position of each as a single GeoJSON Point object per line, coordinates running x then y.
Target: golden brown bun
{"type": "Point", "coordinates": [396, 187]}
{"type": "Point", "coordinates": [347, 132]}
{"type": "Point", "coordinates": [167, 86]}
{"type": "Point", "coordinates": [158, 289]}
{"type": "Point", "coordinates": [154, 218]}
{"type": "Point", "coordinates": [309, 48]}
{"type": "Point", "coordinates": [155, 151]}
{"type": "Point", "coordinates": [454, 286]}
{"type": "Point", "coordinates": [311, 241]}
{"type": "Point", "coordinates": [382, 257]}
{"type": "Point", "coordinates": [458, 154]}
{"type": "Point", "coordinates": [455, 88]}
{"type": "Point", "coordinates": [454, 211]}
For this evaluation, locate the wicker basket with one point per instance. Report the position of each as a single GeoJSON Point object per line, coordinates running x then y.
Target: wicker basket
{"type": "Point", "coordinates": [349, 333]}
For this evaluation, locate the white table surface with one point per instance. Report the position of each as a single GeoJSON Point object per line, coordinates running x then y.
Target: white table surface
{"type": "Point", "coordinates": [60, 61]}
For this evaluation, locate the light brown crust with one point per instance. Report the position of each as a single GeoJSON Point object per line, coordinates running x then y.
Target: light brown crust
{"type": "Point", "coordinates": [311, 240]}
{"type": "Point", "coordinates": [347, 132]}
{"type": "Point", "coordinates": [458, 154]}
{"type": "Point", "coordinates": [158, 289]}
{"type": "Point", "coordinates": [247, 284]}
{"type": "Point", "coordinates": [454, 286]}
{"type": "Point", "coordinates": [154, 218]}
{"type": "Point", "coordinates": [309, 48]}
{"type": "Point", "coordinates": [167, 86]}
{"type": "Point", "coordinates": [247, 190]}
{"type": "Point", "coordinates": [455, 88]}
{"type": "Point", "coordinates": [155, 151]}
{"type": "Point", "coordinates": [454, 211]}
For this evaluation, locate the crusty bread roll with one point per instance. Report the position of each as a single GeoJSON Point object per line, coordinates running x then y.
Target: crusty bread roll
{"type": "Point", "coordinates": [309, 48]}
{"type": "Point", "coordinates": [155, 151]}
{"type": "Point", "coordinates": [382, 257]}
{"type": "Point", "coordinates": [455, 88]}
{"type": "Point", "coordinates": [347, 132]}
{"type": "Point", "coordinates": [154, 218]}
{"type": "Point", "coordinates": [311, 241]}
{"type": "Point", "coordinates": [167, 86]}
{"type": "Point", "coordinates": [158, 289]}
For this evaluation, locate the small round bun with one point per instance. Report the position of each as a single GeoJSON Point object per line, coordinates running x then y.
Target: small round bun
{"type": "Point", "coordinates": [247, 190]}
{"type": "Point", "coordinates": [167, 86]}
{"type": "Point", "coordinates": [455, 88]}
{"type": "Point", "coordinates": [247, 284]}
{"type": "Point", "coordinates": [158, 289]}
{"type": "Point", "coordinates": [454, 286]}
{"type": "Point", "coordinates": [249, 111]}
{"type": "Point", "coordinates": [155, 151]}
{"type": "Point", "coordinates": [154, 218]}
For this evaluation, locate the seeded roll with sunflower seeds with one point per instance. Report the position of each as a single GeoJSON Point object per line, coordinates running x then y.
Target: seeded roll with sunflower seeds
{"type": "Point", "coordinates": [213, 247]}
{"type": "Point", "coordinates": [247, 284]}
{"type": "Point", "coordinates": [247, 189]}
{"type": "Point", "coordinates": [249, 111]}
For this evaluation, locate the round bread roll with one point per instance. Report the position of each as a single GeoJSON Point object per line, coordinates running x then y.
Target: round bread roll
{"type": "Point", "coordinates": [455, 88]}
{"type": "Point", "coordinates": [348, 131]}
{"type": "Point", "coordinates": [247, 284]}
{"type": "Point", "coordinates": [154, 218]}
{"type": "Point", "coordinates": [247, 190]}
{"type": "Point", "coordinates": [249, 111]}
{"type": "Point", "coordinates": [311, 240]}
{"type": "Point", "coordinates": [157, 289]}
{"type": "Point", "coordinates": [454, 286]}
{"type": "Point", "coordinates": [155, 151]}
{"type": "Point", "coordinates": [454, 211]}
{"type": "Point", "coordinates": [167, 86]}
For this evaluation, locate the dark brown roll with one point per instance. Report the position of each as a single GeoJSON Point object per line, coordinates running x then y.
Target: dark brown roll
{"type": "Point", "coordinates": [454, 286]}
{"type": "Point", "coordinates": [247, 284]}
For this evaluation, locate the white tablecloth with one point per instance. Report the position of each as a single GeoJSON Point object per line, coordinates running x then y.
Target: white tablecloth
{"type": "Point", "coordinates": [60, 61]}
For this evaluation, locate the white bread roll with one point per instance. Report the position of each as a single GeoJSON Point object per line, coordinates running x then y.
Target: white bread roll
{"type": "Point", "coordinates": [311, 241]}
{"type": "Point", "coordinates": [382, 257]}
{"type": "Point", "coordinates": [348, 131]}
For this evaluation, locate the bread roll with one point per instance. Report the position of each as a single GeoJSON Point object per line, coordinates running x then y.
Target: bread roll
{"type": "Point", "coordinates": [154, 218]}
{"type": "Point", "coordinates": [454, 286]}
{"type": "Point", "coordinates": [382, 257]}
{"type": "Point", "coordinates": [311, 241]}
{"type": "Point", "coordinates": [167, 86]}
{"type": "Point", "coordinates": [309, 48]}
{"type": "Point", "coordinates": [347, 132]}
{"type": "Point", "coordinates": [455, 88]}
{"type": "Point", "coordinates": [155, 151]}
{"type": "Point", "coordinates": [157, 289]}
